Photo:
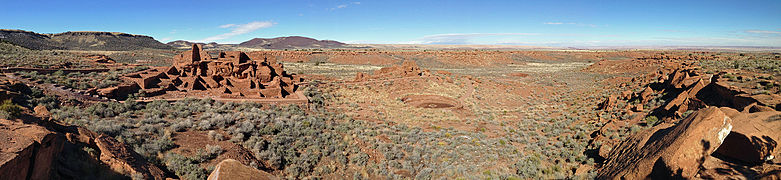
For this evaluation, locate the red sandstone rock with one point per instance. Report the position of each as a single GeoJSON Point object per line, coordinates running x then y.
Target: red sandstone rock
{"type": "Point", "coordinates": [42, 112]}
{"type": "Point", "coordinates": [678, 78]}
{"type": "Point", "coordinates": [27, 149]}
{"type": "Point", "coordinates": [645, 95]}
{"type": "Point", "coordinates": [231, 73]}
{"type": "Point", "coordinates": [118, 91]}
{"type": "Point", "coordinates": [669, 152]}
{"type": "Point", "coordinates": [755, 137]}
{"type": "Point", "coordinates": [609, 103]}
{"type": "Point", "coordinates": [230, 169]}
{"type": "Point", "coordinates": [686, 100]}
{"type": "Point", "coordinates": [16, 152]}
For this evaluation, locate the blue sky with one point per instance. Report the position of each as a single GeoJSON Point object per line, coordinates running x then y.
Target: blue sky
{"type": "Point", "coordinates": [537, 23]}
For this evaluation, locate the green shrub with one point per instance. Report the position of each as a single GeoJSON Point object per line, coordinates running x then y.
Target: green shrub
{"type": "Point", "coordinates": [9, 109]}
{"type": "Point", "coordinates": [152, 147]}
{"type": "Point", "coordinates": [651, 120]}
{"type": "Point", "coordinates": [184, 167]}
{"type": "Point", "coordinates": [209, 153]}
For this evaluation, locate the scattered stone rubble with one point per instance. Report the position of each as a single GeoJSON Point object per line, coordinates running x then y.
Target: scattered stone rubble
{"type": "Point", "coordinates": [407, 69]}
{"type": "Point", "coordinates": [99, 58]}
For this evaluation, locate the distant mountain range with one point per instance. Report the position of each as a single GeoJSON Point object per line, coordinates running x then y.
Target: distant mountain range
{"type": "Point", "coordinates": [115, 41]}
{"type": "Point", "coordinates": [290, 42]}
{"type": "Point", "coordinates": [81, 40]}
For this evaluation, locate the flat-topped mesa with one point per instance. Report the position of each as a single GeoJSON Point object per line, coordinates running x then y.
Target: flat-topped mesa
{"type": "Point", "coordinates": [230, 74]}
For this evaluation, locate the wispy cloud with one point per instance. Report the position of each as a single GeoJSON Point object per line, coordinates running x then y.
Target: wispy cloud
{"type": "Point", "coordinates": [569, 23]}
{"type": "Point", "coordinates": [460, 38]}
{"type": "Point", "coordinates": [672, 30]}
{"type": "Point", "coordinates": [763, 32]}
{"type": "Point", "coordinates": [227, 25]}
{"type": "Point", "coordinates": [345, 5]}
{"type": "Point", "coordinates": [238, 29]}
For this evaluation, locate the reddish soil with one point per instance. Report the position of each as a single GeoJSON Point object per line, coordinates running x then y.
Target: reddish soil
{"type": "Point", "coordinates": [188, 143]}
{"type": "Point", "coordinates": [430, 101]}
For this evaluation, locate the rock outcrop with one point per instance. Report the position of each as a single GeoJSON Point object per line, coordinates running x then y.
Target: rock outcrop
{"type": "Point", "coordinates": [230, 169]}
{"type": "Point", "coordinates": [741, 152]}
{"type": "Point", "coordinates": [36, 151]}
{"type": "Point", "coordinates": [27, 151]}
{"type": "Point", "coordinates": [663, 152]}
{"type": "Point", "coordinates": [35, 148]}
{"type": "Point", "coordinates": [754, 139]}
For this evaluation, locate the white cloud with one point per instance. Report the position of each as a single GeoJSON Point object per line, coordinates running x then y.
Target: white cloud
{"type": "Point", "coordinates": [569, 23]}
{"type": "Point", "coordinates": [238, 29]}
{"type": "Point", "coordinates": [461, 38]}
{"type": "Point", "coordinates": [345, 5]}
{"type": "Point", "coordinates": [763, 32]}
{"type": "Point", "coordinates": [227, 25]}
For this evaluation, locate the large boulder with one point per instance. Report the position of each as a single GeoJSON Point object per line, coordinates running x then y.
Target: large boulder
{"type": "Point", "coordinates": [669, 151]}
{"type": "Point", "coordinates": [234, 170]}
{"type": "Point", "coordinates": [27, 151]}
{"type": "Point", "coordinates": [754, 139]}
{"type": "Point", "coordinates": [16, 154]}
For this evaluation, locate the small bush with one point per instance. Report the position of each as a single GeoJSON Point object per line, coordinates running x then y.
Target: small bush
{"type": "Point", "coordinates": [9, 109]}
{"type": "Point", "coordinates": [184, 167]}
{"type": "Point", "coordinates": [108, 127]}
{"type": "Point", "coordinates": [151, 148]}
{"type": "Point", "coordinates": [182, 125]}
{"type": "Point", "coordinates": [651, 120]}
{"type": "Point", "coordinates": [207, 154]}
{"type": "Point", "coordinates": [213, 135]}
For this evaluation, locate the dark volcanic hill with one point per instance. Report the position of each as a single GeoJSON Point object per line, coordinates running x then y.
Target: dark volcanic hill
{"type": "Point", "coordinates": [81, 40]}
{"type": "Point", "coordinates": [292, 42]}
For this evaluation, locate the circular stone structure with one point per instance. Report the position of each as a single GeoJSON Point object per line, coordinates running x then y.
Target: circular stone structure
{"type": "Point", "coordinates": [430, 101]}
